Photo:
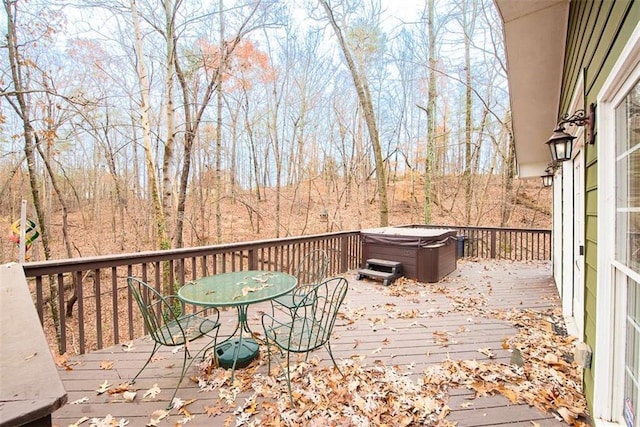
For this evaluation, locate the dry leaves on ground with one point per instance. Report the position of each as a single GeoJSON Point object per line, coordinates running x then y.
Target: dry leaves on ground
{"type": "Point", "coordinates": [370, 396]}
{"type": "Point", "coordinates": [546, 378]}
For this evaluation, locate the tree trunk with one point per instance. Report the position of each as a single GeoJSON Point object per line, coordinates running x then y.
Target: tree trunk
{"type": "Point", "coordinates": [468, 22]}
{"type": "Point", "coordinates": [145, 123]}
{"type": "Point", "coordinates": [364, 97]}
{"type": "Point", "coordinates": [509, 175]}
{"type": "Point", "coordinates": [431, 115]}
{"type": "Point", "coordinates": [219, 99]}
{"type": "Point", "coordinates": [254, 152]}
{"type": "Point", "coordinates": [23, 110]}
{"type": "Point", "coordinates": [194, 110]}
{"type": "Point", "coordinates": [169, 145]}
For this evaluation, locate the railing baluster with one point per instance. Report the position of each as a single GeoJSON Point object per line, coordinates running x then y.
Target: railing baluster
{"type": "Point", "coordinates": [39, 299]}
{"type": "Point", "coordinates": [130, 303]}
{"type": "Point", "coordinates": [80, 303]}
{"type": "Point", "coordinates": [114, 303]}
{"type": "Point", "coordinates": [98, 292]}
{"type": "Point", "coordinates": [61, 311]}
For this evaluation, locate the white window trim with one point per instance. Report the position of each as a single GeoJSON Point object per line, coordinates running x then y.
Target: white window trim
{"type": "Point", "coordinates": [619, 82]}
{"type": "Point", "coordinates": [566, 207]}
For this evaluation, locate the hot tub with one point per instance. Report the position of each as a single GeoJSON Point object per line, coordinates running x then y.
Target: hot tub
{"type": "Point", "coordinates": [427, 254]}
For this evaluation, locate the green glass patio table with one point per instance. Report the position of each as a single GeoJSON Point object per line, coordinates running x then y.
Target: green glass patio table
{"type": "Point", "coordinates": [238, 289]}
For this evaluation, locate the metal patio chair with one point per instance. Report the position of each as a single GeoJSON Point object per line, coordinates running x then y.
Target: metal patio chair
{"type": "Point", "coordinates": [168, 326]}
{"type": "Point", "coordinates": [309, 325]}
{"type": "Point", "coordinates": [311, 270]}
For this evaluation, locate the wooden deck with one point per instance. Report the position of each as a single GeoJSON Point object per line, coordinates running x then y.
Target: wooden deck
{"type": "Point", "coordinates": [408, 327]}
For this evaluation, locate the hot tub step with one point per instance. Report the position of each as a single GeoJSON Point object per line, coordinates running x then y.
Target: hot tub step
{"type": "Point", "coordinates": [381, 269]}
{"type": "Point", "coordinates": [387, 278]}
{"type": "Point", "coordinates": [375, 263]}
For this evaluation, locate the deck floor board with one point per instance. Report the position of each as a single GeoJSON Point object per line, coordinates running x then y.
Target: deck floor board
{"type": "Point", "coordinates": [405, 330]}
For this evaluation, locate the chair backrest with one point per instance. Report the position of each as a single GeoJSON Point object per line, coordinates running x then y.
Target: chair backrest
{"type": "Point", "coordinates": [316, 314]}
{"type": "Point", "coordinates": [158, 313]}
{"type": "Point", "coordinates": [312, 268]}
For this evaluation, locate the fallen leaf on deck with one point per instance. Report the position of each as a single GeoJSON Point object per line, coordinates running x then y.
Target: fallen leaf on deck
{"type": "Point", "coordinates": [213, 411]}
{"type": "Point", "coordinates": [120, 389]}
{"type": "Point", "coordinates": [183, 407]}
{"type": "Point", "coordinates": [106, 364]}
{"type": "Point", "coordinates": [129, 396]}
{"type": "Point", "coordinates": [108, 421]}
{"type": "Point", "coordinates": [32, 355]}
{"type": "Point", "coordinates": [177, 403]}
{"type": "Point", "coordinates": [487, 352]}
{"type": "Point", "coordinates": [103, 387]}
{"type": "Point", "coordinates": [182, 421]}
{"type": "Point", "coordinates": [80, 421]}
{"type": "Point", "coordinates": [156, 417]}
{"type": "Point", "coordinates": [441, 337]}
{"type": "Point", "coordinates": [62, 360]}
{"type": "Point", "coordinates": [152, 392]}
{"type": "Point", "coordinates": [188, 416]}
{"type": "Point", "coordinates": [505, 343]}
{"type": "Point", "coordinates": [127, 346]}
{"type": "Point", "coordinates": [79, 401]}
{"type": "Point", "coordinates": [568, 416]}
{"type": "Point", "coordinates": [376, 321]}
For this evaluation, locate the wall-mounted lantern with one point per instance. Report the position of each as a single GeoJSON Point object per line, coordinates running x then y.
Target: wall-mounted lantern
{"type": "Point", "coordinates": [561, 143]}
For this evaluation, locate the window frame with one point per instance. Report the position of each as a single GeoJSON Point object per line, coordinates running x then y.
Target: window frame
{"type": "Point", "coordinates": [609, 368]}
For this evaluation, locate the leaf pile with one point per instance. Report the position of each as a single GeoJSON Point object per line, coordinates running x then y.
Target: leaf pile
{"type": "Point", "coordinates": [375, 395]}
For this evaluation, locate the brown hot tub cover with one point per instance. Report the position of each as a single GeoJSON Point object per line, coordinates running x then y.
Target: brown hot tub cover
{"type": "Point", "coordinates": [408, 236]}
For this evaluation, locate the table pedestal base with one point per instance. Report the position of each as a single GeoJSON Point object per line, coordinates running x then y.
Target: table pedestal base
{"type": "Point", "coordinates": [242, 350]}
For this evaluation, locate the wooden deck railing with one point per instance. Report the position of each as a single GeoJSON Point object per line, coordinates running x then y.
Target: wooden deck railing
{"type": "Point", "coordinates": [104, 314]}
{"type": "Point", "coordinates": [515, 244]}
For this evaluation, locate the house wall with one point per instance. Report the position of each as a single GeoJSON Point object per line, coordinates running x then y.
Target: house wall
{"type": "Point", "coordinates": [597, 32]}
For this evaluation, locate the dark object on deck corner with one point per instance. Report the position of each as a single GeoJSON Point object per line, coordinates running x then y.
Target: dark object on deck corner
{"type": "Point", "coordinates": [461, 241]}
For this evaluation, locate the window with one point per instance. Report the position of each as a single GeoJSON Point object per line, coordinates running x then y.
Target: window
{"type": "Point", "coordinates": [627, 247]}
{"type": "Point", "coordinates": [632, 356]}
{"type": "Point", "coordinates": [628, 180]}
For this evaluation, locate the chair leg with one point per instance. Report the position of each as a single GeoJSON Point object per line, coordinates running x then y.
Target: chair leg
{"type": "Point", "coordinates": [236, 352]}
{"type": "Point", "coordinates": [156, 346]}
{"type": "Point", "coordinates": [332, 359]}
{"type": "Point", "coordinates": [185, 366]}
{"type": "Point", "coordinates": [288, 375]}
{"type": "Point", "coordinates": [266, 341]}
{"type": "Point", "coordinates": [211, 346]}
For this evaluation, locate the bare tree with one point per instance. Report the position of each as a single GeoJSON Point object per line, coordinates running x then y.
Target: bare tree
{"type": "Point", "coordinates": [364, 96]}
{"type": "Point", "coordinates": [468, 21]}
{"type": "Point", "coordinates": [144, 110]}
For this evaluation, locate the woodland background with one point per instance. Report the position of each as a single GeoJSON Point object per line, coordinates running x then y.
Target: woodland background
{"type": "Point", "coordinates": [131, 125]}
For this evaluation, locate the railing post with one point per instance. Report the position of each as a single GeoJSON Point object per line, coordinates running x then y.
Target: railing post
{"type": "Point", "coordinates": [344, 253]}
{"type": "Point", "coordinates": [493, 244]}
{"type": "Point", "coordinates": [253, 259]}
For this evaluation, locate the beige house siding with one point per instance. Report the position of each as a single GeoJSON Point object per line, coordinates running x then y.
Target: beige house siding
{"type": "Point", "coordinates": [597, 32]}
